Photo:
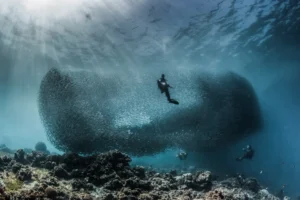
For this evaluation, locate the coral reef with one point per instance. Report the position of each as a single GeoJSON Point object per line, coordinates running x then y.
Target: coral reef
{"type": "Point", "coordinates": [109, 176]}
{"type": "Point", "coordinates": [68, 101]}
{"type": "Point", "coordinates": [41, 146]}
{"type": "Point", "coordinates": [5, 149]}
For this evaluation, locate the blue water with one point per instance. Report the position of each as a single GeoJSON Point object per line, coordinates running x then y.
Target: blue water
{"type": "Point", "coordinates": [137, 40]}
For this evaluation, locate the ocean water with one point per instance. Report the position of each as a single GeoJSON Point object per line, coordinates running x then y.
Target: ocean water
{"type": "Point", "coordinates": [130, 43]}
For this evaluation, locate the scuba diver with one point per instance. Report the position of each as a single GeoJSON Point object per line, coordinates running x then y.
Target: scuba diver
{"type": "Point", "coordinates": [280, 193]}
{"type": "Point", "coordinates": [164, 88]}
{"type": "Point", "coordinates": [249, 153]}
{"type": "Point", "coordinates": [182, 155]}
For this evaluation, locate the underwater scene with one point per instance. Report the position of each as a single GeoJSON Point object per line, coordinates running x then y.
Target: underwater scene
{"type": "Point", "coordinates": [150, 99]}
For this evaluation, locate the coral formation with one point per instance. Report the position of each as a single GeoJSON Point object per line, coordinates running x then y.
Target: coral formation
{"type": "Point", "coordinates": [110, 176]}
{"type": "Point", "coordinates": [11, 183]}
{"type": "Point", "coordinates": [5, 149]}
{"type": "Point", "coordinates": [78, 115]}
{"type": "Point", "coordinates": [41, 146]}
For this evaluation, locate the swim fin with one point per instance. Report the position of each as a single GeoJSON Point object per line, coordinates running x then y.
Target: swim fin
{"type": "Point", "coordinates": [173, 101]}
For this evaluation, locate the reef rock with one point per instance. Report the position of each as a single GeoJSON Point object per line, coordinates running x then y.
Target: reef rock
{"type": "Point", "coordinates": [5, 149]}
{"type": "Point", "coordinates": [50, 192]}
{"type": "Point", "coordinates": [108, 176]}
{"type": "Point", "coordinates": [24, 174]}
{"type": "Point", "coordinates": [41, 146]}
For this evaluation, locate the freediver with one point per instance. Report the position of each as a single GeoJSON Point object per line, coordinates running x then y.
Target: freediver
{"type": "Point", "coordinates": [164, 88]}
{"type": "Point", "coordinates": [249, 153]}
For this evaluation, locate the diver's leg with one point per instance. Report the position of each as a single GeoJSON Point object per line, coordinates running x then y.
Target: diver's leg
{"type": "Point", "coordinates": [240, 158]}
{"type": "Point", "coordinates": [168, 95]}
{"type": "Point", "coordinates": [169, 98]}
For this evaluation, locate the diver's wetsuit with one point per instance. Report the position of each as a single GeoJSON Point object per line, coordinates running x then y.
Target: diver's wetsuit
{"type": "Point", "coordinates": [164, 88]}
{"type": "Point", "coordinates": [164, 84]}
{"type": "Point", "coordinates": [249, 153]}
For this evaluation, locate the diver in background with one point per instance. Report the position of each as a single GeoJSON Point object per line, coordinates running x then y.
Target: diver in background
{"type": "Point", "coordinates": [249, 153]}
{"type": "Point", "coordinates": [280, 193]}
{"type": "Point", "coordinates": [164, 88]}
{"type": "Point", "coordinates": [182, 155]}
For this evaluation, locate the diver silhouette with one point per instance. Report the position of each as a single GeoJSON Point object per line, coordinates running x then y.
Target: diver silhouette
{"type": "Point", "coordinates": [164, 88]}
{"type": "Point", "coordinates": [248, 153]}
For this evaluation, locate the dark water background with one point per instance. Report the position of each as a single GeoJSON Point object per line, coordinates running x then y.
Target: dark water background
{"type": "Point", "coordinates": [137, 40]}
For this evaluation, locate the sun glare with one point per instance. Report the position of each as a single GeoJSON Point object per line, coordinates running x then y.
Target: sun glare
{"type": "Point", "coordinates": [38, 4]}
{"type": "Point", "coordinates": [51, 7]}
{"type": "Point", "coordinates": [66, 8]}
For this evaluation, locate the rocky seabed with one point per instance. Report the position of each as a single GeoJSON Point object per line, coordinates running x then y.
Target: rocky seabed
{"type": "Point", "coordinates": [109, 176]}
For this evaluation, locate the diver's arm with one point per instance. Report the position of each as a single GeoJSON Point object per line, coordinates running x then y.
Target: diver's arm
{"type": "Point", "coordinates": [158, 85]}
{"type": "Point", "coordinates": [239, 158]}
